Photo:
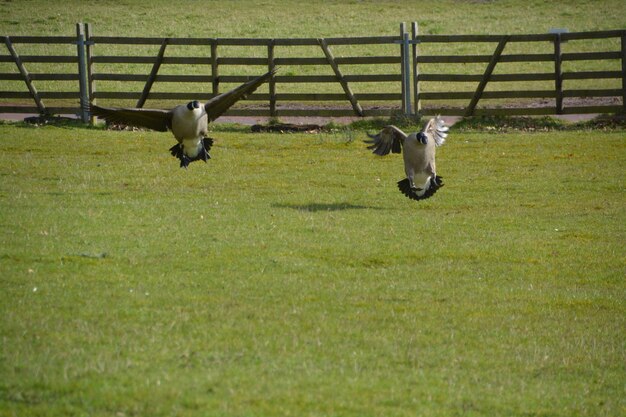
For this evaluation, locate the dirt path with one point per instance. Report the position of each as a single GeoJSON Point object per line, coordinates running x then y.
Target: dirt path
{"type": "Point", "coordinates": [249, 121]}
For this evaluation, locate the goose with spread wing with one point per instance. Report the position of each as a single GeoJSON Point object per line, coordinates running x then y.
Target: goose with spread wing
{"type": "Point", "coordinates": [188, 122]}
{"type": "Point", "coordinates": [418, 151]}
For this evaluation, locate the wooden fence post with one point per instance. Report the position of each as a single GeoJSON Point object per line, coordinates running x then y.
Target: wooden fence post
{"type": "Point", "coordinates": [91, 86]}
{"type": "Point", "coordinates": [272, 83]}
{"type": "Point", "coordinates": [153, 74]}
{"type": "Point", "coordinates": [25, 75]}
{"type": "Point", "coordinates": [403, 66]}
{"type": "Point", "coordinates": [346, 88]}
{"type": "Point", "coordinates": [406, 85]}
{"type": "Point", "coordinates": [558, 73]}
{"type": "Point", "coordinates": [83, 81]}
{"type": "Point", "coordinates": [416, 89]}
{"type": "Point", "coordinates": [624, 70]}
{"type": "Point", "coordinates": [469, 111]}
{"type": "Point", "coordinates": [215, 68]}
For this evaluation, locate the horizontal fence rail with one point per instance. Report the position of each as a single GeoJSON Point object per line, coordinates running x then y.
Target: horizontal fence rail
{"type": "Point", "coordinates": [553, 73]}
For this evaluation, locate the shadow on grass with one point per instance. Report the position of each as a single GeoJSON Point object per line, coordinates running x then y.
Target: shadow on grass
{"type": "Point", "coordinates": [57, 121]}
{"type": "Point", "coordinates": [314, 207]}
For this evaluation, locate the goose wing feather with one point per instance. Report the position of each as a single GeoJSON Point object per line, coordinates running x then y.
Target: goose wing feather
{"type": "Point", "coordinates": [436, 128]}
{"type": "Point", "coordinates": [153, 119]}
{"type": "Point", "coordinates": [218, 105]}
{"type": "Point", "coordinates": [390, 139]}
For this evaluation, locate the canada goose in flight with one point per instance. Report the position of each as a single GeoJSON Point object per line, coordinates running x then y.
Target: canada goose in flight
{"type": "Point", "coordinates": [421, 179]}
{"type": "Point", "coordinates": [188, 122]}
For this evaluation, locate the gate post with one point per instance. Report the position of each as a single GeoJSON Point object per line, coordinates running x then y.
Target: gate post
{"type": "Point", "coordinates": [82, 73]}
{"type": "Point", "coordinates": [406, 85]}
{"type": "Point", "coordinates": [416, 88]}
{"type": "Point", "coordinates": [405, 69]}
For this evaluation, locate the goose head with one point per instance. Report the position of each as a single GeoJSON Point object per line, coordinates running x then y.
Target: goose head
{"type": "Point", "coordinates": [192, 105]}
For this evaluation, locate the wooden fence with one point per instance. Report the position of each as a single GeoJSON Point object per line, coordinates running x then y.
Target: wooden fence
{"type": "Point", "coordinates": [601, 89]}
{"type": "Point", "coordinates": [387, 74]}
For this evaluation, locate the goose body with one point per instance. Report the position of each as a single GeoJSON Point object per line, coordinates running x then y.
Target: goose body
{"type": "Point", "coordinates": [190, 126]}
{"type": "Point", "coordinates": [418, 152]}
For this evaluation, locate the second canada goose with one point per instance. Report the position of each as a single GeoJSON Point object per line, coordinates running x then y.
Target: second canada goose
{"type": "Point", "coordinates": [188, 122]}
{"type": "Point", "coordinates": [418, 150]}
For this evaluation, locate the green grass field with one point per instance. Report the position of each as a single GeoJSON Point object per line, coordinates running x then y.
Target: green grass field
{"type": "Point", "coordinates": [289, 277]}
{"type": "Point", "coordinates": [320, 18]}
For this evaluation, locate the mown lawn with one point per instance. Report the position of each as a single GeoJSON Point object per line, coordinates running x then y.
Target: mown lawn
{"type": "Point", "coordinates": [289, 277]}
{"type": "Point", "coordinates": [320, 18]}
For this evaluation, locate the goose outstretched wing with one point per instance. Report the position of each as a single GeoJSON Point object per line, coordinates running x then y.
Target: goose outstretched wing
{"type": "Point", "coordinates": [390, 139]}
{"type": "Point", "coordinates": [153, 119]}
{"type": "Point", "coordinates": [219, 104]}
{"type": "Point", "coordinates": [437, 129]}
